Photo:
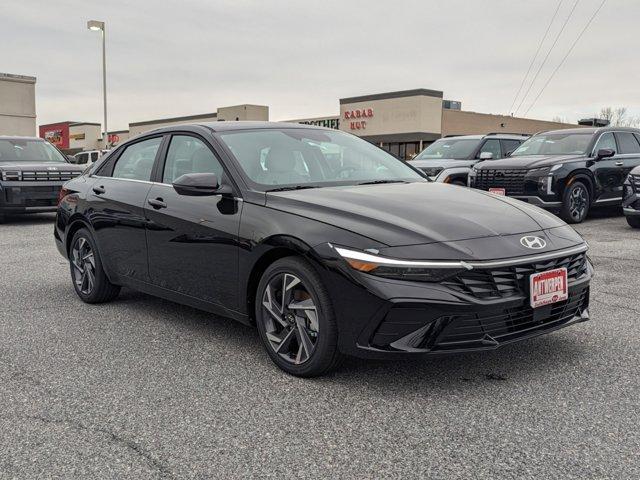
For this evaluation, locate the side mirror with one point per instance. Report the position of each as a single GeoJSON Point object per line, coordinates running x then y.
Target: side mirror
{"type": "Point", "coordinates": [605, 153]}
{"type": "Point", "coordinates": [486, 156]}
{"type": "Point", "coordinates": [199, 185]}
{"type": "Point", "coordinates": [508, 154]}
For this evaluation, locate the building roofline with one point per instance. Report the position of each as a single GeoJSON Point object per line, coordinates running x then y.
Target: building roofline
{"type": "Point", "coordinates": [17, 78]}
{"type": "Point", "coordinates": [418, 92]}
{"type": "Point", "coordinates": [75, 124]}
{"type": "Point", "coordinates": [174, 119]}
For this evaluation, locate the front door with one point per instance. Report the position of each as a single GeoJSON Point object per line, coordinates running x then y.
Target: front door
{"type": "Point", "coordinates": [609, 171]}
{"type": "Point", "coordinates": [117, 196]}
{"type": "Point", "coordinates": [193, 240]}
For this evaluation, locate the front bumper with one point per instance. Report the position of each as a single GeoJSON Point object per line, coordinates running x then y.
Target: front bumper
{"type": "Point", "coordinates": [29, 197]}
{"type": "Point", "coordinates": [381, 318]}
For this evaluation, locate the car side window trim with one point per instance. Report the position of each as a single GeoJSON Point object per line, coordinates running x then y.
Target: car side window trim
{"type": "Point", "coordinates": [106, 170]}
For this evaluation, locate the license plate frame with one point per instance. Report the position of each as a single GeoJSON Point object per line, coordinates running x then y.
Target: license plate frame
{"type": "Point", "coordinates": [548, 287]}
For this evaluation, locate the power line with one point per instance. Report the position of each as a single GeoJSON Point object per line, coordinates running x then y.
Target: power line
{"type": "Point", "coordinates": [565, 57]}
{"type": "Point", "coordinates": [566, 21]}
{"type": "Point", "coordinates": [535, 56]}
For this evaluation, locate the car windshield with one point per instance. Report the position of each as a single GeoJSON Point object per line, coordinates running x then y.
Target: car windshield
{"type": "Point", "coordinates": [554, 144]}
{"type": "Point", "coordinates": [305, 158]}
{"type": "Point", "coordinates": [449, 148]}
{"type": "Point", "coordinates": [27, 150]}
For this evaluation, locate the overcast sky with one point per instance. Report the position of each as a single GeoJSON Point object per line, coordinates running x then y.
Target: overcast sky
{"type": "Point", "coordinates": [299, 57]}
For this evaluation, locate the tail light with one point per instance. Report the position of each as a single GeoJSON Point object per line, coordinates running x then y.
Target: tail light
{"type": "Point", "coordinates": [63, 193]}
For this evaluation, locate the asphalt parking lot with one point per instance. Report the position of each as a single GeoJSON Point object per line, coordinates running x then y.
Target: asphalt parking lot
{"type": "Point", "coordinates": [145, 388]}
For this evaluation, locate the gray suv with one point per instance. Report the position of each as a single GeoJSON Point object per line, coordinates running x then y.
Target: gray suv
{"type": "Point", "coordinates": [450, 159]}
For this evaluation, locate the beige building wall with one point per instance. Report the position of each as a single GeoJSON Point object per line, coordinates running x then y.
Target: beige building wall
{"type": "Point", "coordinates": [86, 136]}
{"type": "Point", "coordinates": [390, 116]}
{"type": "Point", "coordinates": [243, 112]}
{"type": "Point", "coordinates": [17, 105]}
{"type": "Point", "coordinates": [460, 122]}
{"type": "Point", "coordinates": [140, 127]}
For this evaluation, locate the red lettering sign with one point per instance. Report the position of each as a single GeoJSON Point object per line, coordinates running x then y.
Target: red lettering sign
{"type": "Point", "coordinates": [358, 113]}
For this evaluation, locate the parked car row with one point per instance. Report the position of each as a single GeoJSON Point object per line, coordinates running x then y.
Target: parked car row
{"type": "Point", "coordinates": [565, 171]}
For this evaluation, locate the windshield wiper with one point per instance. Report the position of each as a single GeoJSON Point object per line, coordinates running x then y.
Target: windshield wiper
{"type": "Point", "coordinates": [375, 182]}
{"type": "Point", "coordinates": [295, 187]}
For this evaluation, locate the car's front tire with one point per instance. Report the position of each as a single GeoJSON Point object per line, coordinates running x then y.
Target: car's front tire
{"type": "Point", "coordinates": [89, 279]}
{"type": "Point", "coordinates": [575, 202]}
{"type": "Point", "coordinates": [295, 319]}
{"type": "Point", "coordinates": [633, 222]}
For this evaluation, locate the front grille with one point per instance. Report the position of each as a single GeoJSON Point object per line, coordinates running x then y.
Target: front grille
{"type": "Point", "coordinates": [48, 175]}
{"type": "Point", "coordinates": [635, 181]}
{"type": "Point", "coordinates": [473, 330]}
{"type": "Point", "coordinates": [511, 180]}
{"type": "Point", "coordinates": [513, 280]}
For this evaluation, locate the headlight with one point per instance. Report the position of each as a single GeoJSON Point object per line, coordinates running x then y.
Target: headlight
{"type": "Point", "coordinates": [412, 270]}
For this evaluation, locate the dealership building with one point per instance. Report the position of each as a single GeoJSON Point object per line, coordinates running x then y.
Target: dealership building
{"type": "Point", "coordinates": [402, 122]}
{"type": "Point", "coordinates": [17, 105]}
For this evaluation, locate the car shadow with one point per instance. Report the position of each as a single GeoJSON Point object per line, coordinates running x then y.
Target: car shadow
{"type": "Point", "coordinates": [527, 360]}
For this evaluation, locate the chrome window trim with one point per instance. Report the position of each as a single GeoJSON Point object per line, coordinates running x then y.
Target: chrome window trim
{"type": "Point", "coordinates": [624, 155]}
{"type": "Point", "coordinates": [367, 257]}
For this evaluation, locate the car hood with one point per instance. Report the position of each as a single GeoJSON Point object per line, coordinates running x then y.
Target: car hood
{"type": "Point", "coordinates": [441, 163]}
{"type": "Point", "coordinates": [528, 161]}
{"type": "Point", "coordinates": [415, 213]}
{"type": "Point", "coordinates": [37, 165]}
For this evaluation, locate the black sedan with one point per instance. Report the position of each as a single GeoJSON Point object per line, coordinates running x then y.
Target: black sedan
{"type": "Point", "coordinates": [327, 243]}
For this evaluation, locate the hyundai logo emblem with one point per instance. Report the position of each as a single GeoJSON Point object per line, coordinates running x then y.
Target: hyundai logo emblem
{"type": "Point", "coordinates": [535, 243]}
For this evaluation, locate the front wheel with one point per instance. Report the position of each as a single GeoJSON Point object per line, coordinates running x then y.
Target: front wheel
{"type": "Point", "coordinates": [295, 319]}
{"type": "Point", "coordinates": [89, 279]}
{"type": "Point", "coordinates": [575, 203]}
{"type": "Point", "coordinates": [633, 222]}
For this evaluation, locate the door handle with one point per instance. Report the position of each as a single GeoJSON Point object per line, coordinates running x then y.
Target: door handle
{"type": "Point", "coordinates": [619, 164]}
{"type": "Point", "coordinates": [157, 203]}
{"type": "Point", "coordinates": [98, 190]}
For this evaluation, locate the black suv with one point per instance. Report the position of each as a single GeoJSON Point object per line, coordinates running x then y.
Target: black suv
{"type": "Point", "coordinates": [565, 171]}
{"type": "Point", "coordinates": [32, 171]}
{"type": "Point", "coordinates": [631, 198]}
{"type": "Point", "coordinates": [450, 159]}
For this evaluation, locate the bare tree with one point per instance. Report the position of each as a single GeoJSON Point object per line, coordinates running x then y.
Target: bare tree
{"type": "Point", "coordinates": [559, 119]}
{"type": "Point", "coordinates": [619, 117]}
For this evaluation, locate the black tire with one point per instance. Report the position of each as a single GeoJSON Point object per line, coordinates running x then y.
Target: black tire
{"type": "Point", "coordinates": [324, 355]}
{"type": "Point", "coordinates": [633, 222]}
{"type": "Point", "coordinates": [2, 217]}
{"type": "Point", "coordinates": [576, 201]}
{"type": "Point", "coordinates": [99, 290]}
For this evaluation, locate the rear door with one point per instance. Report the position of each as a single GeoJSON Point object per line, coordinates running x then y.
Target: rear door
{"type": "Point", "coordinates": [193, 240]}
{"type": "Point", "coordinates": [629, 152]}
{"type": "Point", "coordinates": [116, 201]}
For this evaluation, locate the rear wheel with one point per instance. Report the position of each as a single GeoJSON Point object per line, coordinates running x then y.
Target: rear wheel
{"type": "Point", "coordinates": [575, 203]}
{"type": "Point", "coordinates": [295, 319]}
{"type": "Point", "coordinates": [89, 279]}
{"type": "Point", "coordinates": [634, 222]}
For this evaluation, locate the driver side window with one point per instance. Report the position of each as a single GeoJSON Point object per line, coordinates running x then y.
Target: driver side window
{"type": "Point", "coordinates": [189, 155]}
{"type": "Point", "coordinates": [606, 140]}
{"type": "Point", "coordinates": [491, 146]}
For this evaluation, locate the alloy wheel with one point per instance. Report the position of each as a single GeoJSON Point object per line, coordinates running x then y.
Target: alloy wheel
{"type": "Point", "coordinates": [578, 202]}
{"type": "Point", "coordinates": [290, 318]}
{"type": "Point", "coordinates": [84, 266]}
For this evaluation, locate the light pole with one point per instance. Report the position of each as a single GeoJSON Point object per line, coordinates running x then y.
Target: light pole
{"type": "Point", "coordinates": [97, 25]}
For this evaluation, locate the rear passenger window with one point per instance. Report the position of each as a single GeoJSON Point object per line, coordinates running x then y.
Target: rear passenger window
{"type": "Point", "coordinates": [628, 143]}
{"type": "Point", "coordinates": [189, 155]}
{"type": "Point", "coordinates": [136, 162]}
{"type": "Point", "coordinates": [94, 156]}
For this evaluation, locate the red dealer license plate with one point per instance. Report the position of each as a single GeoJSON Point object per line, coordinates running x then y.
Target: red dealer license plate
{"type": "Point", "coordinates": [498, 191]}
{"type": "Point", "coordinates": [548, 287]}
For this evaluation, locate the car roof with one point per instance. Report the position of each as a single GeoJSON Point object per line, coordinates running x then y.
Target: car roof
{"type": "Point", "coordinates": [508, 136]}
{"type": "Point", "coordinates": [224, 126]}
{"type": "Point", "coordinates": [592, 130]}
{"type": "Point", "coordinates": [18, 137]}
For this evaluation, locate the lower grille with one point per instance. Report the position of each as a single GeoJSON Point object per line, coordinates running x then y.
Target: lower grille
{"type": "Point", "coordinates": [47, 176]}
{"type": "Point", "coordinates": [635, 181]}
{"type": "Point", "coordinates": [511, 180]}
{"type": "Point", "coordinates": [473, 331]}
{"type": "Point", "coordinates": [513, 280]}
